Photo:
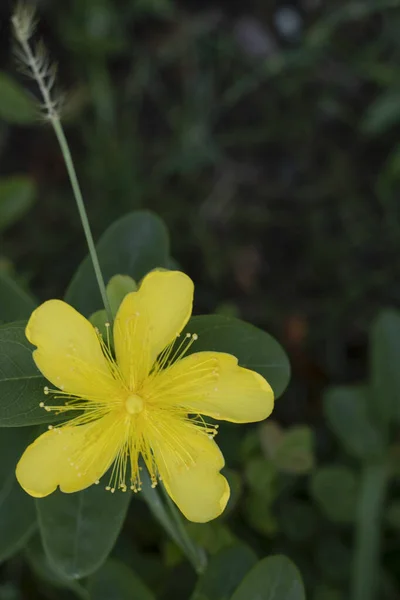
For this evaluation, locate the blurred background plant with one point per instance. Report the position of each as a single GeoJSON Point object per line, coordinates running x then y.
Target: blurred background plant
{"type": "Point", "coordinates": [266, 136]}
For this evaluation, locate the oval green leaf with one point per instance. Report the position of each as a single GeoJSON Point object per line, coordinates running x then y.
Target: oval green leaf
{"type": "Point", "coordinates": [133, 245]}
{"type": "Point", "coordinates": [79, 530]}
{"type": "Point", "coordinates": [224, 572]}
{"type": "Point", "coordinates": [21, 383]}
{"type": "Point", "coordinates": [15, 105]}
{"type": "Point", "coordinates": [273, 578]}
{"type": "Point", "coordinates": [325, 482]}
{"type": "Point", "coordinates": [17, 194]}
{"type": "Point", "coordinates": [40, 566]}
{"type": "Point", "coordinates": [15, 303]}
{"type": "Point", "coordinates": [116, 580]}
{"type": "Point", "coordinates": [255, 349]}
{"type": "Point", "coordinates": [346, 410]}
{"type": "Point", "coordinates": [17, 509]}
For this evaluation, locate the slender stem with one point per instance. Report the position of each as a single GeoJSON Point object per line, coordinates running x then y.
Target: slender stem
{"type": "Point", "coordinates": [69, 163]}
{"type": "Point", "coordinates": [82, 213]}
{"type": "Point", "coordinates": [198, 557]}
{"type": "Point", "coordinates": [171, 521]}
{"type": "Point", "coordinates": [366, 567]}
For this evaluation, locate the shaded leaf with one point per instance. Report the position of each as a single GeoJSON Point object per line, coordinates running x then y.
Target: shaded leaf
{"type": "Point", "coordinates": [382, 114]}
{"type": "Point", "coordinates": [346, 410]}
{"type": "Point", "coordinates": [43, 570]}
{"type": "Point", "coordinates": [295, 453]}
{"type": "Point", "coordinates": [261, 476]}
{"type": "Point", "coordinates": [224, 572]}
{"type": "Point", "coordinates": [115, 581]}
{"type": "Point", "coordinates": [17, 509]}
{"type": "Point", "coordinates": [325, 483]}
{"type": "Point", "coordinates": [21, 383]}
{"type": "Point", "coordinates": [273, 578]}
{"type": "Point", "coordinates": [133, 245]}
{"type": "Point", "coordinates": [211, 537]}
{"type": "Point", "coordinates": [15, 303]}
{"type": "Point", "coordinates": [17, 194]}
{"type": "Point", "coordinates": [254, 348]}
{"type": "Point", "coordinates": [260, 514]}
{"type": "Point", "coordinates": [79, 530]}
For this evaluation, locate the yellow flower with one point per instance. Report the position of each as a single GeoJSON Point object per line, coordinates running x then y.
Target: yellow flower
{"type": "Point", "coordinates": [146, 402]}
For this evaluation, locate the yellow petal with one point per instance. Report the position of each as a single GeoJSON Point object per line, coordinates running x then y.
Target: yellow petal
{"type": "Point", "coordinates": [149, 319]}
{"type": "Point", "coordinates": [213, 384]}
{"type": "Point", "coordinates": [69, 353]}
{"type": "Point", "coordinates": [71, 457]}
{"type": "Point", "coordinates": [189, 463]}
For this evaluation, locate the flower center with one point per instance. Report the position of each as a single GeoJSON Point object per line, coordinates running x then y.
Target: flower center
{"type": "Point", "coordinates": [134, 404]}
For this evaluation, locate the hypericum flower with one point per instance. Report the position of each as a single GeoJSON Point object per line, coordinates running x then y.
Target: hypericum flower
{"type": "Point", "coordinates": [146, 402]}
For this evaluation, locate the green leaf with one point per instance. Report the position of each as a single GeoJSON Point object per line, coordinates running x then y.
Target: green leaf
{"type": "Point", "coordinates": [133, 245]}
{"type": "Point", "coordinates": [384, 364]}
{"type": "Point", "coordinates": [273, 578]}
{"type": "Point", "coordinates": [15, 105]}
{"type": "Point", "coordinates": [224, 572]}
{"type": "Point", "coordinates": [79, 530]}
{"type": "Point", "coordinates": [382, 114]}
{"type": "Point", "coordinates": [21, 384]}
{"type": "Point", "coordinates": [260, 515]}
{"type": "Point", "coordinates": [116, 581]}
{"type": "Point", "coordinates": [117, 288]}
{"type": "Point", "coordinates": [254, 348]}
{"type": "Point", "coordinates": [15, 303]}
{"type": "Point", "coordinates": [346, 410]}
{"type": "Point", "coordinates": [290, 450]}
{"type": "Point", "coordinates": [17, 509]}
{"type": "Point", "coordinates": [295, 453]}
{"type": "Point", "coordinates": [211, 537]}
{"type": "Point", "coordinates": [17, 194]}
{"type": "Point", "coordinates": [324, 486]}
{"type": "Point", "coordinates": [261, 476]}
{"type": "Point", "coordinates": [40, 565]}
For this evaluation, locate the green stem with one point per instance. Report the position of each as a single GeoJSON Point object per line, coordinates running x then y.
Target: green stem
{"type": "Point", "coordinates": [171, 521]}
{"type": "Point", "coordinates": [196, 554]}
{"type": "Point", "coordinates": [69, 163]}
{"type": "Point", "coordinates": [82, 213]}
{"type": "Point", "coordinates": [366, 566]}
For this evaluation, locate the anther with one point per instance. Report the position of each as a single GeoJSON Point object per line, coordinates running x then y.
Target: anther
{"type": "Point", "coordinates": [46, 390]}
{"type": "Point", "coordinates": [195, 337]}
{"type": "Point", "coordinates": [41, 405]}
{"type": "Point", "coordinates": [50, 427]}
{"type": "Point", "coordinates": [107, 324]}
